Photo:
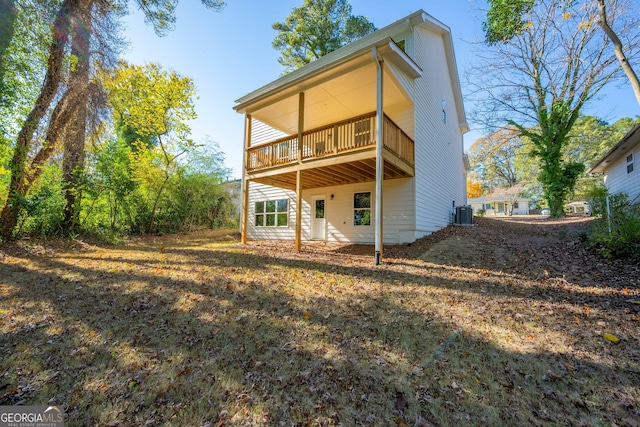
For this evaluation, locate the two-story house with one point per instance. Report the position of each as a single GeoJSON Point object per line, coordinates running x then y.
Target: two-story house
{"type": "Point", "coordinates": [363, 145]}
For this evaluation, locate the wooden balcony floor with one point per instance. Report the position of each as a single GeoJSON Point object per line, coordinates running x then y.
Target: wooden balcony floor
{"type": "Point", "coordinates": [346, 172]}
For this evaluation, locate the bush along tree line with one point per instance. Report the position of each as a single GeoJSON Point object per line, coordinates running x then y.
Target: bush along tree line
{"type": "Point", "coordinates": [90, 144]}
{"type": "Point", "coordinates": [617, 230]}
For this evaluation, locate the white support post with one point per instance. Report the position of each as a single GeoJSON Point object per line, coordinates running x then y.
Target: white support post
{"type": "Point", "coordinates": [245, 179]}
{"type": "Point", "coordinates": [379, 158]}
{"type": "Point", "coordinates": [298, 242]}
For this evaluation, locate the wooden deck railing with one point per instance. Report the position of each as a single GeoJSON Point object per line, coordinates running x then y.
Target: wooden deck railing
{"type": "Point", "coordinates": [351, 134]}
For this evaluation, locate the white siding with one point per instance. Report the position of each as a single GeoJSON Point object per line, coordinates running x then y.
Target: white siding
{"type": "Point", "coordinates": [261, 192]}
{"type": "Point", "coordinates": [439, 146]}
{"type": "Point", "coordinates": [262, 132]}
{"type": "Point", "coordinates": [618, 180]}
{"type": "Point", "coordinates": [399, 220]}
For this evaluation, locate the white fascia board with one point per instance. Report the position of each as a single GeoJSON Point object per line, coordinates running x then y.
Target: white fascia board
{"type": "Point", "coordinates": [389, 49]}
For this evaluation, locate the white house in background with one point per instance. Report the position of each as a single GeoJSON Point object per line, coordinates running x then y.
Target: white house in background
{"type": "Point", "coordinates": [621, 166]}
{"type": "Point", "coordinates": [580, 207]}
{"type": "Point", "coordinates": [500, 205]}
{"type": "Point", "coordinates": [363, 145]}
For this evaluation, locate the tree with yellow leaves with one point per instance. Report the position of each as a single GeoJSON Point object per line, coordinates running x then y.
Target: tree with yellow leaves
{"type": "Point", "coordinates": [150, 108]}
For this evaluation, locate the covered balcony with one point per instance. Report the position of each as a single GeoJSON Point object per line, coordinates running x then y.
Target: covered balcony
{"type": "Point", "coordinates": [339, 153]}
{"type": "Point", "coordinates": [346, 118]}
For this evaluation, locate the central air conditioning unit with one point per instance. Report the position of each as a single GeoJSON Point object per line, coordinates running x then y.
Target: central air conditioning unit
{"type": "Point", "coordinates": [463, 216]}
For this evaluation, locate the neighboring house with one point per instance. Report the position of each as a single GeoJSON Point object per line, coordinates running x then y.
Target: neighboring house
{"type": "Point", "coordinates": [366, 136]}
{"type": "Point", "coordinates": [579, 207]}
{"type": "Point", "coordinates": [500, 205]}
{"type": "Point", "coordinates": [621, 166]}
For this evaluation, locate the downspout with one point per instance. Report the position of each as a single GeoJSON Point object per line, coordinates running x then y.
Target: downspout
{"type": "Point", "coordinates": [379, 159]}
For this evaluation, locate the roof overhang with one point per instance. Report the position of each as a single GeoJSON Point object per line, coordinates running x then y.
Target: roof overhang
{"type": "Point", "coordinates": [335, 88]}
{"type": "Point", "coordinates": [630, 140]}
{"type": "Point", "coordinates": [334, 82]}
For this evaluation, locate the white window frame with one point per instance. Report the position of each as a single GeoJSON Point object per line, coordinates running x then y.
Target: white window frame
{"type": "Point", "coordinates": [357, 217]}
{"type": "Point", "coordinates": [630, 163]}
{"type": "Point", "coordinates": [265, 217]}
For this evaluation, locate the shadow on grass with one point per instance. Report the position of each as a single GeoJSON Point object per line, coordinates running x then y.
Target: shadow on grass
{"type": "Point", "coordinates": [239, 338]}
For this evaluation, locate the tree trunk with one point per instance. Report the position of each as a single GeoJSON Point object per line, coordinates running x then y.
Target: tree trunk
{"type": "Point", "coordinates": [18, 184]}
{"type": "Point", "coordinates": [7, 21]}
{"type": "Point", "coordinates": [617, 49]}
{"type": "Point", "coordinates": [75, 135]}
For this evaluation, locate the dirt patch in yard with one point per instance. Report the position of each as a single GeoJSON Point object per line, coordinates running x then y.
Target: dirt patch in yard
{"type": "Point", "coordinates": [502, 323]}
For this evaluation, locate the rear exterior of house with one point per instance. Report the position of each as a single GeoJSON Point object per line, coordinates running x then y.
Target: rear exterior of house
{"type": "Point", "coordinates": [381, 160]}
{"type": "Point", "coordinates": [621, 166]}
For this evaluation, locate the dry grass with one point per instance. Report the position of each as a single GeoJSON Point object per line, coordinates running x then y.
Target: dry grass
{"type": "Point", "coordinates": [497, 324]}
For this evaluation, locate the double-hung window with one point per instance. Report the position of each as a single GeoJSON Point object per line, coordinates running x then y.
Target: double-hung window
{"type": "Point", "coordinates": [362, 208]}
{"type": "Point", "coordinates": [630, 163]}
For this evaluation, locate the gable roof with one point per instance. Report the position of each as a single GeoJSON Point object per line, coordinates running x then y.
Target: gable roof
{"type": "Point", "coordinates": [631, 139]}
{"type": "Point", "coordinates": [383, 43]}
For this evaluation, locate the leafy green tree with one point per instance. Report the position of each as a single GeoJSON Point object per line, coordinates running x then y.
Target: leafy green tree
{"type": "Point", "coordinates": [59, 98]}
{"type": "Point", "coordinates": [590, 138]}
{"type": "Point", "coordinates": [505, 19]}
{"type": "Point", "coordinates": [124, 182]}
{"type": "Point", "coordinates": [154, 104]}
{"type": "Point", "coordinates": [7, 21]}
{"type": "Point", "coordinates": [112, 194]}
{"type": "Point", "coordinates": [539, 80]}
{"type": "Point", "coordinates": [315, 29]}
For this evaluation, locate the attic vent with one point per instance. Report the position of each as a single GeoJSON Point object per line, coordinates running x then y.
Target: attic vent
{"type": "Point", "coordinates": [464, 215]}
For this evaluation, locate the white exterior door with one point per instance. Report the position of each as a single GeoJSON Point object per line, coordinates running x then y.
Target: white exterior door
{"type": "Point", "coordinates": [318, 222]}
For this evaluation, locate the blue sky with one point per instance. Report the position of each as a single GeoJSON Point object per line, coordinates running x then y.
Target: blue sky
{"type": "Point", "coordinates": [229, 54]}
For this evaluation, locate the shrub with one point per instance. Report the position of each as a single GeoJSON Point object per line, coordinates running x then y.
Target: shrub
{"type": "Point", "coordinates": [43, 208]}
{"type": "Point", "coordinates": [617, 229]}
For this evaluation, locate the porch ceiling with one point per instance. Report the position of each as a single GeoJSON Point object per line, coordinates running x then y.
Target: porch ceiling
{"type": "Point", "coordinates": [343, 92]}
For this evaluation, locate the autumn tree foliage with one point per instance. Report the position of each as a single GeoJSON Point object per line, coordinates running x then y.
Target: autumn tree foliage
{"type": "Point", "coordinates": [474, 189]}
{"type": "Point", "coordinates": [494, 158]}
{"type": "Point", "coordinates": [155, 104]}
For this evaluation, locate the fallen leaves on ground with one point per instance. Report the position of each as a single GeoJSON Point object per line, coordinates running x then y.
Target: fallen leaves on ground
{"type": "Point", "coordinates": [503, 323]}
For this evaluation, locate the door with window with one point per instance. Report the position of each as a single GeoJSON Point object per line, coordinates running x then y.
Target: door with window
{"type": "Point", "coordinates": [318, 222]}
